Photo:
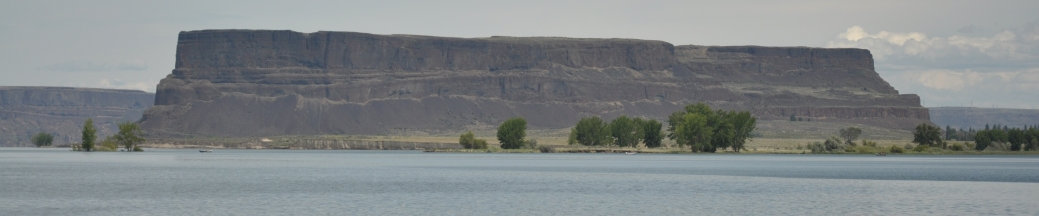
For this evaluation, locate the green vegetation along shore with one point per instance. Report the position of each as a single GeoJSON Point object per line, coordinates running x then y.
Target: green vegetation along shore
{"type": "Point", "coordinates": [694, 129]}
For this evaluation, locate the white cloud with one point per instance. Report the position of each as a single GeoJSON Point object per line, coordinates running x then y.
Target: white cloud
{"type": "Point", "coordinates": [995, 68]}
{"type": "Point", "coordinates": [885, 44]}
{"type": "Point", "coordinates": [948, 80]}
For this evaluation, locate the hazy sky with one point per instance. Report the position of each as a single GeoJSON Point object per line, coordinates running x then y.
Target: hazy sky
{"type": "Point", "coordinates": [951, 53]}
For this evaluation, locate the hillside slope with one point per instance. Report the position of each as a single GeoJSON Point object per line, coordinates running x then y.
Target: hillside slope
{"type": "Point", "coordinates": [977, 118]}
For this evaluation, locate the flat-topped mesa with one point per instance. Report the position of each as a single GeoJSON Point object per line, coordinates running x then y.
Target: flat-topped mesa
{"type": "Point", "coordinates": [340, 51]}
{"type": "Point", "coordinates": [265, 83]}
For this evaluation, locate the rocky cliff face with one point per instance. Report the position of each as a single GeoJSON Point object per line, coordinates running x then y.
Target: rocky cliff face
{"type": "Point", "coordinates": [60, 111]}
{"type": "Point", "coordinates": [262, 83]}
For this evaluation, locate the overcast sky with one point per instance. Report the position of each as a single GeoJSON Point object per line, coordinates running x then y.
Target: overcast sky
{"type": "Point", "coordinates": [951, 53]}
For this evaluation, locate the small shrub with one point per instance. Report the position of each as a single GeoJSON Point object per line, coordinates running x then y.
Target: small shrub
{"type": "Point", "coordinates": [869, 143]}
{"type": "Point", "coordinates": [547, 149]}
{"type": "Point", "coordinates": [865, 149]}
{"type": "Point", "coordinates": [817, 147]}
{"type": "Point", "coordinates": [468, 141]}
{"type": "Point", "coordinates": [479, 144]}
{"type": "Point", "coordinates": [921, 148]}
{"type": "Point", "coordinates": [531, 143]}
{"type": "Point", "coordinates": [957, 147]}
{"type": "Point", "coordinates": [137, 149]}
{"type": "Point", "coordinates": [997, 146]}
{"type": "Point", "coordinates": [833, 144]}
{"type": "Point", "coordinates": [896, 149]}
{"type": "Point", "coordinates": [908, 146]}
{"type": "Point", "coordinates": [42, 139]}
{"type": "Point", "coordinates": [108, 144]}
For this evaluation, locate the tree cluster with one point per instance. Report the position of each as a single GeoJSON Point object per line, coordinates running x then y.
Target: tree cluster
{"type": "Point", "coordinates": [469, 141]}
{"type": "Point", "coordinates": [831, 145]}
{"type": "Point", "coordinates": [1018, 139]}
{"type": "Point", "coordinates": [929, 135]}
{"type": "Point", "coordinates": [836, 144]}
{"type": "Point", "coordinates": [970, 133]}
{"type": "Point", "coordinates": [622, 131]}
{"type": "Point", "coordinates": [129, 136]}
{"type": "Point", "coordinates": [707, 130]}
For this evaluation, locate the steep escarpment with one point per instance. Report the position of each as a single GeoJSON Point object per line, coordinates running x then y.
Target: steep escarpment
{"type": "Point", "coordinates": [60, 111]}
{"type": "Point", "coordinates": [263, 83]}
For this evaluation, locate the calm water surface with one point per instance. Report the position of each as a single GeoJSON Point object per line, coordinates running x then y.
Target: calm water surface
{"type": "Point", "coordinates": [268, 182]}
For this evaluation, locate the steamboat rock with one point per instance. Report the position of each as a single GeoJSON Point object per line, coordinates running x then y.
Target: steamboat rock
{"type": "Point", "coordinates": [267, 83]}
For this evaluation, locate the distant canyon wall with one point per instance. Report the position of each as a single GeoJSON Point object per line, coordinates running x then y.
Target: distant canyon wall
{"type": "Point", "coordinates": [267, 83]}
{"type": "Point", "coordinates": [61, 111]}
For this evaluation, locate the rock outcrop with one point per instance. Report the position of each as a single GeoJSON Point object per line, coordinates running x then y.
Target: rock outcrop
{"type": "Point", "coordinates": [264, 83]}
{"type": "Point", "coordinates": [60, 111]}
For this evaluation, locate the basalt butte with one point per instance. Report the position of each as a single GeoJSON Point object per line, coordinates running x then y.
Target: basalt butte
{"type": "Point", "coordinates": [244, 83]}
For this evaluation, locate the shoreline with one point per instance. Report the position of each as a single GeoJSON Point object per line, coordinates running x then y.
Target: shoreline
{"type": "Point", "coordinates": [549, 144]}
{"type": "Point", "coordinates": [585, 150]}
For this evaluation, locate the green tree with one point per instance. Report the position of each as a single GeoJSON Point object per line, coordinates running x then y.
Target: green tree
{"type": "Point", "coordinates": [724, 132]}
{"type": "Point", "coordinates": [1032, 144]}
{"type": "Point", "coordinates": [744, 124]}
{"type": "Point", "coordinates": [694, 132]}
{"type": "Point", "coordinates": [129, 136]}
{"type": "Point", "coordinates": [624, 132]}
{"type": "Point", "coordinates": [724, 129]}
{"type": "Point", "coordinates": [512, 132]}
{"type": "Point", "coordinates": [42, 139]}
{"type": "Point", "coordinates": [467, 140]}
{"type": "Point", "coordinates": [673, 121]}
{"type": "Point", "coordinates": [850, 134]}
{"type": "Point", "coordinates": [1017, 138]}
{"type": "Point", "coordinates": [592, 131]}
{"type": "Point", "coordinates": [982, 140]}
{"type": "Point", "coordinates": [651, 134]}
{"type": "Point", "coordinates": [998, 135]}
{"type": "Point", "coordinates": [89, 135]}
{"type": "Point", "coordinates": [1033, 134]}
{"type": "Point", "coordinates": [926, 134]}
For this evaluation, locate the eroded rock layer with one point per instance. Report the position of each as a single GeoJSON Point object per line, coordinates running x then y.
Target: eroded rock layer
{"type": "Point", "coordinates": [265, 83]}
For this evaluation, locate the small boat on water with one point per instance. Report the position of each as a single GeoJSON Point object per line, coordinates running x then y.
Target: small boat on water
{"type": "Point", "coordinates": [205, 150]}
{"type": "Point", "coordinates": [630, 153]}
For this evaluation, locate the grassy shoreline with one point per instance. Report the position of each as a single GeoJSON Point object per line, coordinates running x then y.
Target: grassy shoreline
{"type": "Point", "coordinates": [551, 144]}
{"type": "Point", "coordinates": [605, 150]}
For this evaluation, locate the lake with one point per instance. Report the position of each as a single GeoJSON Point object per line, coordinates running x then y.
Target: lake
{"type": "Point", "coordinates": [313, 182]}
